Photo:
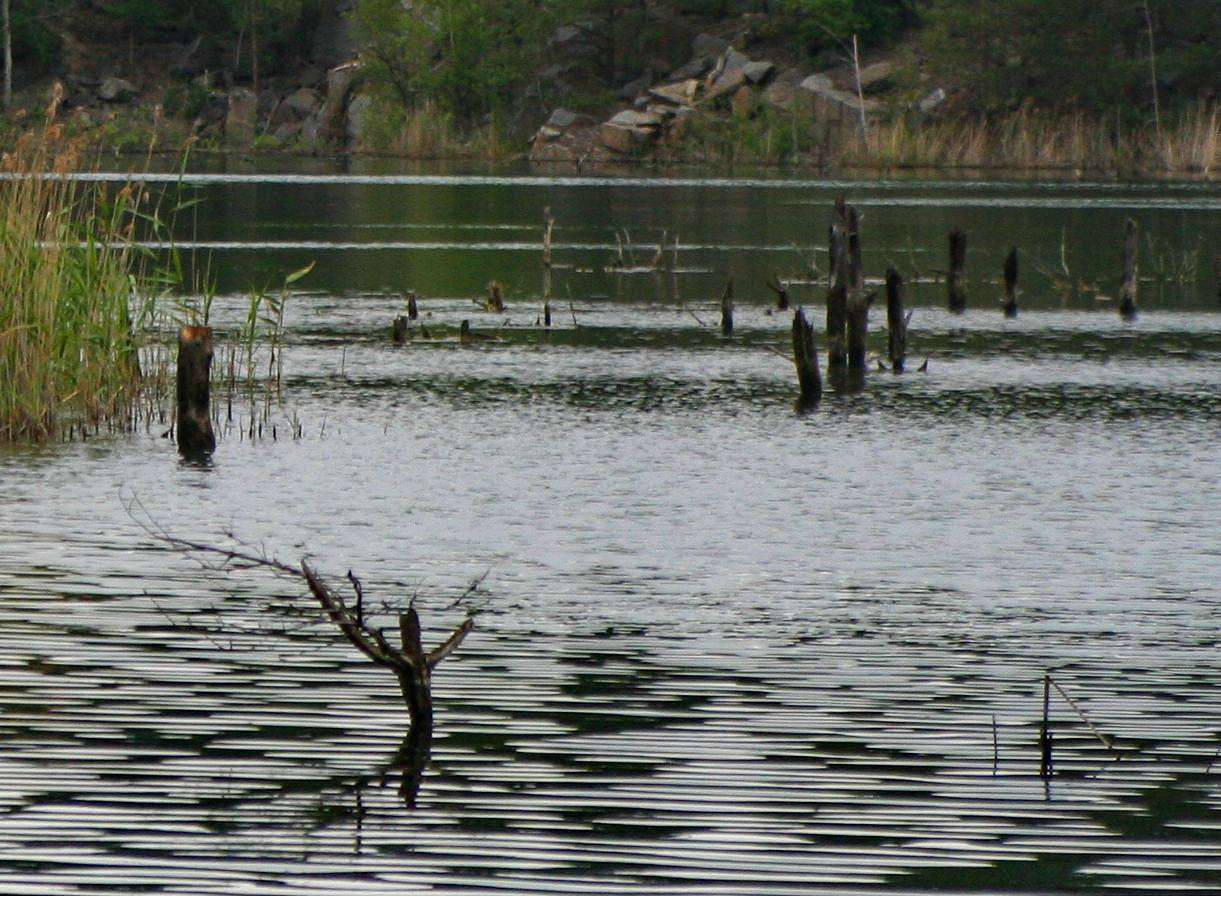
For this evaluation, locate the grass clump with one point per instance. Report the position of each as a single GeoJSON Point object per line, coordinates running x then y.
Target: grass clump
{"type": "Point", "coordinates": [70, 276]}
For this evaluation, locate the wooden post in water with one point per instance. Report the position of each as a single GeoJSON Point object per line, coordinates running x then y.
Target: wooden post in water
{"type": "Point", "coordinates": [1045, 739]}
{"type": "Point", "coordinates": [1127, 293]}
{"type": "Point", "coordinates": [856, 269]}
{"type": "Point", "coordinates": [464, 332]}
{"type": "Point", "coordinates": [399, 331]}
{"type": "Point", "coordinates": [837, 288]}
{"type": "Point", "coordinates": [805, 358]}
{"type": "Point", "coordinates": [958, 261]}
{"type": "Point", "coordinates": [195, 436]}
{"type": "Point", "coordinates": [727, 309]}
{"type": "Point", "coordinates": [1011, 278]}
{"type": "Point", "coordinates": [413, 312]}
{"type": "Point", "coordinates": [896, 325]}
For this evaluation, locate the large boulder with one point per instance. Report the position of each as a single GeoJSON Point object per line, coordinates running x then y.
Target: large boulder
{"type": "Point", "coordinates": [296, 107]}
{"type": "Point", "coordinates": [626, 140]}
{"type": "Point", "coordinates": [331, 117]}
{"type": "Point", "coordinates": [757, 73]}
{"type": "Point", "coordinates": [784, 92]}
{"type": "Point", "coordinates": [360, 108]}
{"type": "Point", "coordinates": [241, 118]}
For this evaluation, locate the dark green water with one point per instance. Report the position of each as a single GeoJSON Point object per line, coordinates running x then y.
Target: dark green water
{"type": "Point", "coordinates": [721, 646]}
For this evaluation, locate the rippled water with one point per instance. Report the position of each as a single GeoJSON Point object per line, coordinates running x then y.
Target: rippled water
{"type": "Point", "coordinates": [720, 646]}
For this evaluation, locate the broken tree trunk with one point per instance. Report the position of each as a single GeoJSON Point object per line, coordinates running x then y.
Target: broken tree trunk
{"type": "Point", "coordinates": [896, 325]}
{"type": "Point", "coordinates": [858, 328]}
{"type": "Point", "coordinates": [1127, 293]}
{"type": "Point", "coordinates": [399, 330]}
{"type": "Point", "coordinates": [727, 309]}
{"type": "Point", "coordinates": [958, 261]}
{"type": "Point", "coordinates": [837, 289]}
{"type": "Point", "coordinates": [195, 437]}
{"type": "Point", "coordinates": [856, 269]}
{"type": "Point", "coordinates": [413, 312]}
{"type": "Point", "coordinates": [1011, 278]}
{"type": "Point", "coordinates": [496, 299]}
{"type": "Point", "coordinates": [782, 293]}
{"type": "Point", "coordinates": [805, 358]}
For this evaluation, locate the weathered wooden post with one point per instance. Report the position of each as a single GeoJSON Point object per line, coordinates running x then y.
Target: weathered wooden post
{"type": "Point", "coordinates": [958, 261]}
{"type": "Point", "coordinates": [464, 333]}
{"type": "Point", "coordinates": [399, 330]}
{"type": "Point", "coordinates": [413, 312]}
{"type": "Point", "coordinates": [727, 309]}
{"type": "Point", "coordinates": [1127, 293]}
{"type": "Point", "coordinates": [856, 268]}
{"type": "Point", "coordinates": [896, 325]}
{"type": "Point", "coordinates": [805, 358]}
{"type": "Point", "coordinates": [858, 328]}
{"type": "Point", "coordinates": [547, 314]}
{"type": "Point", "coordinates": [195, 436]}
{"type": "Point", "coordinates": [1011, 278]}
{"type": "Point", "coordinates": [1045, 738]}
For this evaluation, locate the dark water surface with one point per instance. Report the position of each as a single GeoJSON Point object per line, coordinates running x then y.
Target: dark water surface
{"type": "Point", "coordinates": [720, 646]}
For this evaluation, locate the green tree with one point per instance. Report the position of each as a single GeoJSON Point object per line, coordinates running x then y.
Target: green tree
{"type": "Point", "coordinates": [470, 56]}
{"type": "Point", "coordinates": [822, 25]}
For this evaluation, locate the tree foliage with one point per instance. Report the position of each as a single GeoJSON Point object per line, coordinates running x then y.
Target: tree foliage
{"type": "Point", "coordinates": [1091, 54]}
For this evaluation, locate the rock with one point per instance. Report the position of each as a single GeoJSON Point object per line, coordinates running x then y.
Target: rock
{"type": "Point", "coordinates": [679, 125]}
{"type": "Point", "coordinates": [635, 87]}
{"type": "Point", "coordinates": [784, 93]}
{"type": "Point", "coordinates": [726, 83]}
{"type": "Point", "coordinates": [831, 103]}
{"type": "Point", "coordinates": [340, 81]}
{"type": "Point", "coordinates": [743, 102]}
{"type": "Point", "coordinates": [681, 94]}
{"type": "Point", "coordinates": [301, 103]}
{"type": "Point", "coordinates": [817, 83]}
{"type": "Point", "coordinates": [758, 73]}
{"type": "Point", "coordinates": [637, 119]}
{"type": "Point", "coordinates": [359, 109]}
{"type": "Point", "coordinates": [732, 60]}
{"type": "Point", "coordinates": [240, 120]}
{"type": "Point", "coordinates": [625, 139]}
{"type": "Point", "coordinates": [876, 72]}
{"type": "Point", "coordinates": [932, 101]}
{"type": "Point", "coordinates": [562, 119]}
{"type": "Point", "coordinates": [114, 89]}
{"type": "Point", "coordinates": [335, 37]}
{"type": "Point", "coordinates": [706, 45]}
{"type": "Point", "coordinates": [694, 69]}
{"type": "Point", "coordinates": [287, 131]}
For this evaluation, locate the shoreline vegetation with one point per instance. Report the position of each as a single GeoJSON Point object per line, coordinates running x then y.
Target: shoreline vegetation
{"type": "Point", "coordinates": [1187, 145]}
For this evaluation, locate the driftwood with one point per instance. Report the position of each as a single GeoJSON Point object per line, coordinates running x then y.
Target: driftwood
{"type": "Point", "coordinates": [1011, 279]}
{"type": "Point", "coordinates": [194, 380]}
{"type": "Point", "coordinates": [805, 358]}
{"type": "Point", "coordinates": [1128, 290]}
{"type": "Point", "coordinates": [957, 295]}
{"type": "Point", "coordinates": [727, 308]}
{"type": "Point", "coordinates": [896, 324]}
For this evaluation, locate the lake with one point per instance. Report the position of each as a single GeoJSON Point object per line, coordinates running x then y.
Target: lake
{"type": "Point", "coordinates": [720, 646]}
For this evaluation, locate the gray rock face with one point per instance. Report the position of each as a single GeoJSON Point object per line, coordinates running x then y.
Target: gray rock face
{"type": "Point", "coordinates": [302, 103]}
{"type": "Point", "coordinates": [706, 45]}
{"type": "Point", "coordinates": [932, 101]}
{"type": "Point", "coordinates": [335, 38]}
{"type": "Point", "coordinates": [694, 69]}
{"type": "Point", "coordinates": [332, 124]}
{"type": "Point", "coordinates": [625, 139]}
{"type": "Point", "coordinates": [360, 108]}
{"type": "Point", "coordinates": [561, 119]}
{"type": "Point", "coordinates": [114, 89]}
{"type": "Point", "coordinates": [241, 118]}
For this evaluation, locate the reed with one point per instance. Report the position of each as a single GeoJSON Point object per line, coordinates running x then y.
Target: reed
{"type": "Point", "coordinates": [70, 276]}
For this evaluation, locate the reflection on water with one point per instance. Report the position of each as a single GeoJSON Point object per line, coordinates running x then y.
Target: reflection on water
{"type": "Point", "coordinates": [721, 648]}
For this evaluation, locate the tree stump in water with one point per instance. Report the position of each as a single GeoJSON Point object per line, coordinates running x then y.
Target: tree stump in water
{"type": "Point", "coordinates": [858, 328]}
{"type": "Point", "coordinates": [837, 289]}
{"type": "Point", "coordinates": [1011, 278]}
{"type": "Point", "coordinates": [399, 330]}
{"type": "Point", "coordinates": [782, 293]}
{"type": "Point", "coordinates": [496, 299]}
{"type": "Point", "coordinates": [195, 436]}
{"type": "Point", "coordinates": [805, 358]}
{"type": "Point", "coordinates": [413, 312]}
{"type": "Point", "coordinates": [1128, 291]}
{"type": "Point", "coordinates": [958, 260]}
{"type": "Point", "coordinates": [727, 309]}
{"type": "Point", "coordinates": [896, 325]}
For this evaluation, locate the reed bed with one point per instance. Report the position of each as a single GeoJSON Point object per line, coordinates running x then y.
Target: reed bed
{"type": "Point", "coordinates": [70, 277]}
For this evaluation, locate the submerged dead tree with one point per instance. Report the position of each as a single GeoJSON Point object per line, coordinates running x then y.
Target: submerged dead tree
{"type": "Point", "coordinates": [727, 309]}
{"type": "Point", "coordinates": [1011, 279]}
{"type": "Point", "coordinates": [805, 358]}
{"type": "Point", "coordinates": [896, 323]}
{"type": "Point", "coordinates": [838, 284]}
{"type": "Point", "coordinates": [1127, 292]}
{"type": "Point", "coordinates": [194, 381]}
{"type": "Point", "coordinates": [411, 664]}
{"type": "Point", "coordinates": [957, 293]}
